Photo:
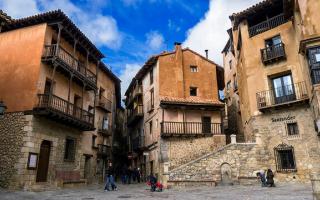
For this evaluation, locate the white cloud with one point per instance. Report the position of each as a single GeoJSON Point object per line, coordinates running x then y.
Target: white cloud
{"type": "Point", "coordinates": [210, 33]}
{"type": "Point", "coordinates": [154, 40]}
{"type": "Point", "coordinates": [102, 30]}
{"type": "Point", "coordinates": [126, 75]}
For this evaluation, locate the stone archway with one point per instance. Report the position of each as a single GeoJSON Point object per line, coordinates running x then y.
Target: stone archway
{"type": "Point", "coordinates": [226, 174]}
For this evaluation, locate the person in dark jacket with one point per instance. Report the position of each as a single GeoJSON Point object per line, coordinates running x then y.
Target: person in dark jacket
{"type": "Point", "coordinates": [110, 179]}
{"type": "Point", "coordinates": [153, 182]}
{"type": "Point", "coordinates": [270, 181]}
{"type": "Point", "coordinates": [129, 174]}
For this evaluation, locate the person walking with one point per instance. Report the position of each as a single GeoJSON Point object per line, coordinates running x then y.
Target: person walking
{"type": "Point", "coordinates": [110, 179]}
{"type": "Point", "coordinates": [129, 174]}
{"type": "Point", "coordinates": [138, 175]}
{"type": "Point", "coordinates": [270, 181]}
{"type": "Point", "coordinates": [153, 182]}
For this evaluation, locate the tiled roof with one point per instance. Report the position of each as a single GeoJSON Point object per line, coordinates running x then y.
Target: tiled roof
{"type": "Point", "coordinates": [190, 101]}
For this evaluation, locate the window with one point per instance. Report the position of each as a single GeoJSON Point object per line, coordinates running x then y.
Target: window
{"type": "Point", "coordinates": [230, 64]}
{"type": "Point", "coordinates": [193, 68]}
{"type": "Point", "coordinates": [105, 123]}
{"type": "Point", "coordinates": [94, 137]}
{"type": "Point", "coordinates": [193, 91]}
{"type": "Point", "coordinates": [284, 155]}
{"type": "Point", "coordinates": [235, 82]}
{"type": "Point", "coordinates": [69, 150]}
{"type": "Point", "coordinates": [273, 41]}
{"type": "Point", "coordinates": [314, 64]}
{"type": "Point", "coordinates": [317, 57]}
{"type": "Point", "coordinates": [47, 86]}
{"type": "Point", "coordinates": [228, 85]}
{"type": "Point", "coordinates": [150, 127]}
{"type": "Point", "coordinates": [292, 129]}
{"type": "Point", "coordinates": [283, 89]}
{"type": "Point", "coordinates": [151, 76]}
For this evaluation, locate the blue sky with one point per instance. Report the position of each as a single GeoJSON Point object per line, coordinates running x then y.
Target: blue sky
{"type": "Point", "coordinates": [130, 31]}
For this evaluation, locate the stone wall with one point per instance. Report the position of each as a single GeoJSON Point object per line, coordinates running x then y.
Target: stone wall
{"type": "Point", "coordinates": [11, 140]}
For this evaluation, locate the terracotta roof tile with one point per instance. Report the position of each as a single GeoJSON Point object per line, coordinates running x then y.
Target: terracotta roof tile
{"type": "Point", "coordinates": [191, 100]}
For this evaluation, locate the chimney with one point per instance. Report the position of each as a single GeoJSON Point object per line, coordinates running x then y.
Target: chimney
{"type": "Point", "coordinates": [177, 45]}
{"type": "Point", "coordinates": [206, 53]}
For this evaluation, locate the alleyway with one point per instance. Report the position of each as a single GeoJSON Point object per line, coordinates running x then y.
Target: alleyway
{"type": "Point", "coordinates": [282, 192]}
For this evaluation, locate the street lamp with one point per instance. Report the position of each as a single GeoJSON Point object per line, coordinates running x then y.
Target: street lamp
{"type": "Point", "coordinates": [2, 109]}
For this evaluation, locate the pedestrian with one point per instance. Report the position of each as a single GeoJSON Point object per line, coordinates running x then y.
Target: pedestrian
{"type": "Point", "coordinates": [153, 182]}
{"type": "Point", "coordinates": [261, 176]}
{"type": "Point", "coordinates": [270, 181]}
{"type": "Point", "coordinates": [134, 175]}
{"type": "Point", "coordinates": [129, 174]}
{"type": "Point", "coordinates": [124, 175]}
{"type": "Point", "coordinates": [138, 175]}
{"type": "Point", "coordinates": [110, 179]}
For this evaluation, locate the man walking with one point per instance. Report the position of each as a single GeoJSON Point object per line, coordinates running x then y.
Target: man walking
{"type": "Point", "coordinates": [110, 179]}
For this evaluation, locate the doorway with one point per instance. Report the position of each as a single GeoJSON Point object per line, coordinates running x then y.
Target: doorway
{"type": "Point", "coordinates": [87, 160]}
{"type": "Point", "coordinates": [43, 165]}
{"type": "Point", "coordinates": [226, 174]}
{"type": "Point", "coordinates": [206, 124]}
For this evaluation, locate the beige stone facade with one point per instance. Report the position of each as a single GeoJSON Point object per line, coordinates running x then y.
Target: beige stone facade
{"type": "Point", "coordinates": [62, 105]}
{"type": "Point", "coordinates": [177, 125]}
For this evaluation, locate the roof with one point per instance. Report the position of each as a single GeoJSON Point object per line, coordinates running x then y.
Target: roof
{"type": "Point", "coordinates": [190, 101]}
{"type": "Point", "coordinates": [229, 42]}
{"type": "Point", "coordinates": [153, 60]}
{"type": "Point", "coordinates": [53, 18]}
{"type": "Point", "coordinates": [4, 17]}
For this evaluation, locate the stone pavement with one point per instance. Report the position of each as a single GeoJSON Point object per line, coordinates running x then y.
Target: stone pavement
{"type": "Point", "coordinates": [135, 191]}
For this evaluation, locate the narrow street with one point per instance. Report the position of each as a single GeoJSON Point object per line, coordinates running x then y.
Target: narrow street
{"type": "Point", "coordinates": [135, 191]}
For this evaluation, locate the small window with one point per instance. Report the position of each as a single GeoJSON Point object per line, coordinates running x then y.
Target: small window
{"type": "Point", "coordinates": [69, 150]}
{"type": "Point", "coordinates": [94, 137]}
{"type": "Point", "coordinates": [230, 64]}
{"type": "Point", "coordinates": [317, 57]}
{"type": "Point", "coordinates": [150, 127]}
{"type": "Point", "coordinates": [105, 123]}
{"type": "Point", "coordinates": [193, 91]}
{"type": "Point", "coordinates": [293, 129]}
{"type": "Point", "coordinates": [152, 97]}
{"type": "Point", "coordinates": [193, 68]}
{"type": "Point", "coordinates": [47, 86]}
{"type": "Point", "coordinates": [285, 160]}
{"type": "Point", "coordinates": [151, 76]}
{"type": "Point", "coordinates": [235, 82]}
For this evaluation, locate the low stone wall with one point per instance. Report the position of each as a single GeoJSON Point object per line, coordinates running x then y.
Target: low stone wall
{"type": "Point", "coordinates": [11, 141]}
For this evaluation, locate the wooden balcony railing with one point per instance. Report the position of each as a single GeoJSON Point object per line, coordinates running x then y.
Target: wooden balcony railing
{"type": "Point", "coordinates": [136, 91]}
{"type": "Point", "coordinates": [59, 105]}
{"type": "Point", "coordinates": [104, 103]}
{"type": "Point", "coordinates": [273, 53]}
{"type": "Point", "coordinates": [135, 113]}
{"type": "Point", "coordinates": [190, 129]}
{"type": "Point", "coordinates": [282, 95]}
{"type": "Point", "coordinates": [267, 25]}
{"type": "Point", "coordinates": [76, 66]}
{"type": "Point", "coordinates": [104, 150]}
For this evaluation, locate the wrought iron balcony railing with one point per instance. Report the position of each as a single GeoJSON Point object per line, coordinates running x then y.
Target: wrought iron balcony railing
{"type": "Point", "coordinates": [57, 107]}
{"type": "Point", "coordinates": [267, 25]}
{"type": "Point", "coordinates": [68, 60]}
{"type": "Point", "coordinates": [190, 129]}
{"type": "Point", "coordinates": [283, 95]}
{"type": "Point", "coordinates": [273, 53]}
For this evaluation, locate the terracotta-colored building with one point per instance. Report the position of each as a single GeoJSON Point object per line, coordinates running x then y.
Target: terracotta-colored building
{"type": "Point", "coordinates": [275, 45]}
{"type": "Point", "coordinates": [61, 103]}
{"type": "Point", "coordinates": [176, 102]}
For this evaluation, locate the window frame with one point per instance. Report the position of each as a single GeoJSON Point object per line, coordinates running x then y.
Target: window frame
{"type": "Point", "coordinates": [278, 158]}
{"type": "Point", "coordinates": [150, 127]}
{"type": "Point", "coordinates": [73, 153]}
{"type": "Point", "coordinates": [196, 91]}
{"type": "Point", "coordinates": [194, 68]}
{"type": "Point", "coordinates": [294, 130]}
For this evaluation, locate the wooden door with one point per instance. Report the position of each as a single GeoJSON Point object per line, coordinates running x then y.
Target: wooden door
{"type": "Point", "coordinates": [206, 124]}
{"type": "Point", "coordinates": [86, 167]}
{"type": "Point", "coordinates": [43, 165]}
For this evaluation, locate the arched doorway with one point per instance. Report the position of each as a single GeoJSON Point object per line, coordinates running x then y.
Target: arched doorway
{"type": "Point", "coordinates": [226, 174]}
{"type": "Point", "coordinates": [43, 164]}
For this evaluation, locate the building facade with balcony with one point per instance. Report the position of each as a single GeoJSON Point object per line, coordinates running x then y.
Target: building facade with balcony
{"type": "Point", "coordinates": [51, 76]}
{"type": "Point", "coordinates": [275, 88]}
{"type": "Point", "coordinates": [182, 112]}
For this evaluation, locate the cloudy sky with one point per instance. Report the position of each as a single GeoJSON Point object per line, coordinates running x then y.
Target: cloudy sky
{"type": "Point", "coordinates": [129, 31]}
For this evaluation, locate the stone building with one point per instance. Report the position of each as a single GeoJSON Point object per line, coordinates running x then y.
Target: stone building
{"type": "Point", "coordinates": [231, 93]}
{"type": "Point", "coordinates": [276, 84]}
{"type": "Point", "coordinates": [179, 110]}
{"type": "Point", "coordinates": [61, 103]}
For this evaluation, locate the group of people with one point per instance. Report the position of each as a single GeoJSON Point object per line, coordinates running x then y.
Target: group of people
{"type": "Point", "coordinates": [266, 178]}
{"type": "Point", "coordinates": [129, 175]}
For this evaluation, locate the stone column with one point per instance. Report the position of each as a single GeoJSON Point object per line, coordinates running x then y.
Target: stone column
{"type": "Point", "coordinates": [233, 139]}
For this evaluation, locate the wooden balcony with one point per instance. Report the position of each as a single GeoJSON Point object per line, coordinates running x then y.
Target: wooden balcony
{"type": "Point", "coordinates": [273, 53]}
{"type": "Point", "coordinates": [63, 111]}
{"type": "Point", "coordinates": [267, 25]}
{"type": "Point", "coordinates": [190, 129]}
{"type": "Point", "coordinates": [69, 64]}
{"type": "Point", "coordinates": [137, 91]}
{"type": "Point", "coordinates": [135, 114]}
{"type": "Point", "coordinates": [104, 103]}
{"type": "Point", "coordinates": [286, 95]}
{"type": "Point", "coordinates": [104, 151]}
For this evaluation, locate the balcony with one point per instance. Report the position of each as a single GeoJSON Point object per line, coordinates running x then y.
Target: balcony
{"type": "Point", "coordinates": [285, 95]}
{"type": "Point", "coordinates": [273, 53]}
{"type": "Point", "coordinates": [104, 103]}
{"type": "Point", "coordinates": [138, 143]}
{"type": "Point", "coordinates": [61, 110]}
{"type": "Point", "coordinates": [69, 64]}
{"type": "Point", "coordinates": [135, 92]}
{"type": "Point", "coordinates": [135, 114]}
{"type": "Point", "coordinates": [267, 25]}
{"type": "Point", "coordinates": [315, 76]}
{"type": "Point", "coordinates": [105, 131]}
{"type": "Point", "coordinates": [104, 151]}
{"type": "Point", "coordinates": [190, 129]}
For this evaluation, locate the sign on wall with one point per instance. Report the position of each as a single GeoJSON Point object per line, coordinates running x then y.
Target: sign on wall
{"type": "Point", "coordinates": [32, 161]}
{"type": "Point", "coordinates": [282, 119]}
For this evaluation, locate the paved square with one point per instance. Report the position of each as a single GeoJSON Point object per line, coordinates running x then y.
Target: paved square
{"type": "Point", "coordinates": [135, 191]}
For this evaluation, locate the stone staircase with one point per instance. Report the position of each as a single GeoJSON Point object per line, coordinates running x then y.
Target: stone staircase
{"type": "Point", "coordinates": [233, 163]}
